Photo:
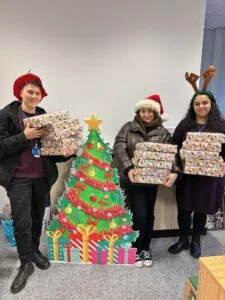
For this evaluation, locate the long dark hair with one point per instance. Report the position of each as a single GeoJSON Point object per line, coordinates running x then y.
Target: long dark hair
{"type": "Point", "coordinates": [215, 122]}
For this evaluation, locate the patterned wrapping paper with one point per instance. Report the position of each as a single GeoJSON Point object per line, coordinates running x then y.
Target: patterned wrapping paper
{"type": "Point", "coordinates": [61, 125]}
{"type": "Point", "coordinates": [45, 119]}
{"type": "Point", "coordinates": [60, 143]}
{"type": "Point", "coordinates": [152, 172]}
{"type": "Point", "coordinates": [58, 150]}
{"type": "Point", "coordinates": [154, 155]}
{"type": "Point", "coordinates": [149, 179]}
{"type": "Point", "coordinates": [159, 147]}
{"type": "Point", "coordinates": [143, 163]}
{"type": "Point", "coordinates": [203, 171]}
{"type": "Point", "coordinates": [214, 164]}
{"type": "Point", "coordinates": [192, 154]}
{"type": "Point", "coordinates": [206, 137]}
{"type": "Point", "coordinates": [202, 146]}
{"type": "Point", "coordinates": [52, 134]}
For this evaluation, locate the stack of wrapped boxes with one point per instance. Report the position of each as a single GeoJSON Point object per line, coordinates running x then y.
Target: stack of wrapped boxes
{"type": "Point", "coordinates": [153, 162]}
{"type": "Point", "coordinates": [200, 152]}
{"type": "Point", "coordinates": [61, 132]}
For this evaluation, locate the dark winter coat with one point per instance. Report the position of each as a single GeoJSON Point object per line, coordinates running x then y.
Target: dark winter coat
{"type": "Point", "coordinates": [13, 142]}
{"type": "Point", "coordinates": [129, 135]}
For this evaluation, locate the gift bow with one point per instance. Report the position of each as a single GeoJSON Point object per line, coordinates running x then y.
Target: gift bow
{"type": "Point", "coordinates": [86, 231]}
{"type": "Point", "coordinates": [111, 239]}
{"type": "Point", "coordinates": [55, 235]}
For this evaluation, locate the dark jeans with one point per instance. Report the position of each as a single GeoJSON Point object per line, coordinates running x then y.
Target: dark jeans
{"type": "Point", "coordinates": [142, 203]}
{"type": "Point", "coordinates": [185, 219]}
{"type": "Point", "coordinates": [27, 198]}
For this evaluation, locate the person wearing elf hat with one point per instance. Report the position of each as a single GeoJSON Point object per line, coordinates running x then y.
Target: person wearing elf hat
{"type": "Point", "coordinates": [196, 194]}
{"type": "Point", "coordinates": [146, 127]}
{"type": "Point", "coordinates": [26, 175]}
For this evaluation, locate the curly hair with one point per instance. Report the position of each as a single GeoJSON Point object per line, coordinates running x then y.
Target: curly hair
{"type": "Point", "coordinates": [215, 121]}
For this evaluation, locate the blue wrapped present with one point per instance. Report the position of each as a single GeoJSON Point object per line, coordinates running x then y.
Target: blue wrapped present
{"type": "Point", "coordinates": [9, 232]}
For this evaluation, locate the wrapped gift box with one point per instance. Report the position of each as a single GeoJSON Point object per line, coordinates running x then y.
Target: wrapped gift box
{"type": "Point", "coordinates": [203, 171]}
{"type": "Point", "coordinates": [152, 172]}
{"type": "Point", "coordinates": [143, 163]}
{"type": "Point", "coordinates": [159, 147]}
{"type": "Point", "coordinates": [58, 150]}
{"type": "Point", "coordinates": [204, 163]}
{"type": "Point", "coordinates": [206, 137]}
{"type": "Point", "coordinates": [99, 257]}
{"type": "Point", "coordinates": [126, 256]}
{"type": "Point", "coordinates": [71, 254]}
{"type": "Point", "coordinates": [202, 146]}
{"type": "Point", "coordinates": [45, 119]}
{"type": "Point", "coordinates": [154, 155]}
{"type": "Point", "coordinates": [56, 134]}
{"type": "Point", "coordinates": [192, 154]}
{"type": "Point", "coordinates": [149, 179]}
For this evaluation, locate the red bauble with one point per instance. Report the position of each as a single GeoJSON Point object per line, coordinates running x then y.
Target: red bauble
{"type": "Point", "coordinates": [93, 198]}
{"type": "Point", "coordinates": [90, 146]}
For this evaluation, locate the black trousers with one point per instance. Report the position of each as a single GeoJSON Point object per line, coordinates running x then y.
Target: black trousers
{"type": "Point", "coordinates": [185, 219]}
{"type": "Point", "coordinates": [141, 200]}
{"type": "Point", "coordinates": [27, 198]}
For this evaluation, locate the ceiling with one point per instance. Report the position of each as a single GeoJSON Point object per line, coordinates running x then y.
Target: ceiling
{"type": "Point", "coordinates": [215, 14]}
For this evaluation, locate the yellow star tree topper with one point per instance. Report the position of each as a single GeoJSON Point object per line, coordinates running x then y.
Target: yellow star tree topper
{"type": "Point", "coordinates": [93, 123]}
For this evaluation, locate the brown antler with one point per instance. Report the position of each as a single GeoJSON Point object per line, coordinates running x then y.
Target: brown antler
{"type": "Point", "coordinates": [207, 75]}
{"type": "Point", "coordinates": [192, 79]}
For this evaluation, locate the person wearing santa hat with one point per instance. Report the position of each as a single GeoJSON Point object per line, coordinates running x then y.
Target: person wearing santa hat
{"type": "Point", "coordinates": [25, 174]}
{"type": "Point", "coordinates": [146, 127]}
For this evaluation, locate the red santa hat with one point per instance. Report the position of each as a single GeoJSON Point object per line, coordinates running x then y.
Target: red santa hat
{"type": "Point", "coordinates": [153, 102]}
{"type": "Point", "coordinates": [22, 80]}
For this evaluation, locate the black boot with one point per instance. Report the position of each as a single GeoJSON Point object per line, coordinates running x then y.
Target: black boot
{"type": "Point", "coordinates": [195, 246]}
{"type": "Point", "coordinates": [40, 260]}
{"type": "Point", "coordinates": [25, 270]}
{"type": "Point", "coordinates": [182, 244]}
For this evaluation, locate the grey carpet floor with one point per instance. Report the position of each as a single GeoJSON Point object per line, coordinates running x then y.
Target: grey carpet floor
{"type": "Point", "coordinates": [163, 281]}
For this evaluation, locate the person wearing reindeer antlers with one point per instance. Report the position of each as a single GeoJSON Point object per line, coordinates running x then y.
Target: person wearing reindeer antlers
{"type": "Point", "coordinates": [25, 174]}
{"type": "Point", "coordinates": [146, 127]}
{"type": "Point", "coordinates": [197, 194]}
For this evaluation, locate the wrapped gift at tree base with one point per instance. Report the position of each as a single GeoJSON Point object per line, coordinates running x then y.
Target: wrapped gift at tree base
{"type": "Point", "coordinates": [71, 254]}
{"type": "Point", "coordinates": [56, 247]}
{"type": "Point", "coordinates": [99, 257]}
{"type": "Point", "coordinates": [126, 256]}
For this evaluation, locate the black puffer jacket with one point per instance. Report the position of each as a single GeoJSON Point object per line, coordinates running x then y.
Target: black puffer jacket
{"type": "Point", "coordinates": [129, 135]}
{"type": "Point", "coordinates": [13, 142]}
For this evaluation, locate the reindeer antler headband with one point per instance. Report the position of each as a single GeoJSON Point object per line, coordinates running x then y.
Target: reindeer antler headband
{"type": "Point", "coordinates": [207, 75]}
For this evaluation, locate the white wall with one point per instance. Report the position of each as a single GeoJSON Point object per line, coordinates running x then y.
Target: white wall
{"type": "Point", "coordinates": [103, 56]}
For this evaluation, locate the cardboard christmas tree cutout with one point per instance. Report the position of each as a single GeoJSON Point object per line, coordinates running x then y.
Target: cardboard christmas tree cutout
{"type": "Point", "coordinates": [92, 224]}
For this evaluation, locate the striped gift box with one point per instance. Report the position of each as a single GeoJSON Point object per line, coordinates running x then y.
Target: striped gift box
{"type": "Point", "coordinates": [126, 255]}
{"type": "Point", "coordinates": [71, 254]}
{"type": "Point", "coordinates": [93, 245]}
{"type": "Point", "coordinates": [99, 257]}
